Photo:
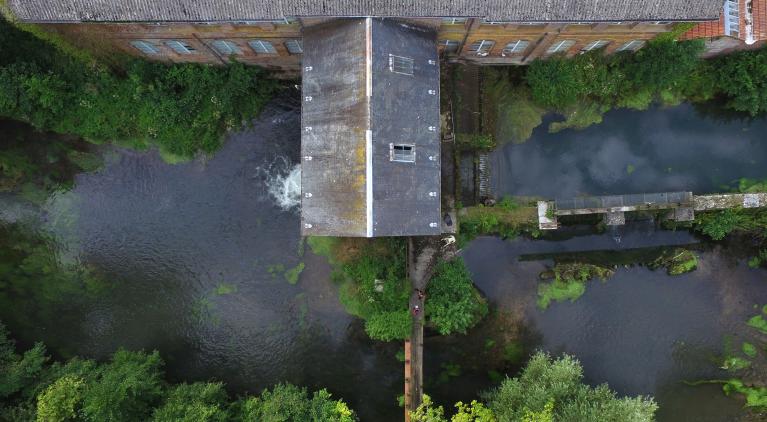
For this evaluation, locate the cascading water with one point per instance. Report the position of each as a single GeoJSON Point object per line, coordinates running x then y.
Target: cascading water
{"type": "Point", "coordinates": [284, 184]}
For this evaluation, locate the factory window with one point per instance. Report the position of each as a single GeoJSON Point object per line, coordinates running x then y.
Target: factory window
{"type": "Point", "coordinates": [284, 21]}
{"type": "Point", "coordinates": [401, 65]}
{"type": "Point", "coordinates": [481, 47]}
{"type": "Point", "coordinates": [226, 48]}
{"type": "Point", "coordinates": [404, 153]}
{"type": "Point", "coordinates": [515, 47]}
{"type": "Point", "coordinates": [295, 46]}
{"type": "Point", "coordinates": [453, 21]}
{"type": "Point", "coordinates": [145, 47]}
{"type": "Point", "coordinates": [450, 46]}
{"type": "Point", "coordinates": [595, 45]}
{"type": "Point", "coordinates": [180, 47]}
{"type": "Point", "coordinates": [560, 46]}
{"type": "Point", "coordinates": [632, 45]}
{"type": "Point", "coordinates": [262, 47]}
{"type": "Point", "coordinates": [732, 18]}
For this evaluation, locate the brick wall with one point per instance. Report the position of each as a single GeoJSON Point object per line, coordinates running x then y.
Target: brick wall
{"type": "Point", "coordinates": [455, 40]}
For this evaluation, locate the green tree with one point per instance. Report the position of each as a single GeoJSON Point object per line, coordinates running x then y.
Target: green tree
{"type": "Point", "coordinates": [126, 388]}
{"type": "Point", "coordinates": [742, 77]}
{"type": "Point", "coordinates": [18, 372]}
{"type": "Point", "coordinates": [560, 381]}
{"type": "Point", "coordinates": [555, 82]}
{"type": "Point", "coordinates": [61, 401]}
{"type": "Point", "coordinates": [289, 403]}
{"type": "Point", "coordinates": [453, 304]}
{"type": "Point", "coordinates": [198, 402]}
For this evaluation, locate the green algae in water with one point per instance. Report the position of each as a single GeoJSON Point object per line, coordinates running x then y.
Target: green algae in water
{"type": "Point", "coordinates": [569, 282]}
{"type": "Point", "coordinates": [225, 289]}
{"type": "Point", "coordinates": [759, 323]}
{"type": "Point", "coordinates": [294, 273]}
{"type": "Point", "coordinates": [749, 349]}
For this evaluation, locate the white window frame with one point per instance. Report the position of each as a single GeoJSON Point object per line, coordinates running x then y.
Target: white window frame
{"type": "Point", "coordinates": [295, 46]}
{"type": "Point", "coordinates": [260, 46]}
{"type": "Point", "coordinates": [595, 45]}
{"type": "Point", "coordinates": [732, 18]}
{"type": "Point", "coordinates": [401, 64]}
{"type": "Point", "coordinates": [146, 47]}
{"type": "Point", "coordinates": [557, 47]}
{"type": "Point", "coordinates": [450, 43]}
{"type": "Point", "coordinates": [180, 47]}
{"type": "Point", "coordinates": [515, 48]}
{"type": "Point", "coordinates": [453, 21]}
{"type": "Point", "coordinates": [226, 47]}
{"type": "Point", "coordinates": [492, 22]}
{"type": "Point", "coordinates": [632, 45]}
{"type": "Point", "coordinates": [484, 47]}
{"type": "Point", "coordinates": [407, 156]}
{"type": "Point", "coordinates": [284, 21]}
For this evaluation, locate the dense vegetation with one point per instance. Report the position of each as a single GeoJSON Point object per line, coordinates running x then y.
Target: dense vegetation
{"type": "Point", "coordinates": [546, 390]}
{"type": "Point", "coordinates": [584, 87]}
{"type": "Point", "coordinates": [182, 108]}
{"type": "Point", "coordinates": [508, 218]}
{"type": "Point", "coordinates": [131, 387]}
{"type": "Point", "coordinates": [375, 287]}
{"type": "Point", "coordinates": [453, 304]}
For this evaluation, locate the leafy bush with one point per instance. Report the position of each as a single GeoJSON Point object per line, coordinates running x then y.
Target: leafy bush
{"type": "Point", "coordinates": [453, 304]}
{"type": "Point", "coordinates": [182, 108]}
{"type": "Point", "coordinates": [560, 381]}
{"type": "Point", "coordinates": [375, 287]}
{"type": "Point", "coordinates": [130, 387]}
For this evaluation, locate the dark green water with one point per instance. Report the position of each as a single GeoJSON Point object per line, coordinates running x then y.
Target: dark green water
{"type": "Point", "coordinates": [187, 250]}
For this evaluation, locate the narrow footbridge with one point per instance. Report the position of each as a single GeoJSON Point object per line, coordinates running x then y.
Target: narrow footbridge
{"type": "Point", "coordinates": [681, 206]}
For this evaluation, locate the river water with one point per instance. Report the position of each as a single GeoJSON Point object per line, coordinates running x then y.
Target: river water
{"type": "Point", "coordinates": [195, 253]}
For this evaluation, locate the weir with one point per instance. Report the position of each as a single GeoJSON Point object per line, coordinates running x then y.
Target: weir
{"type": "Point", "coordinates": [681, 205]}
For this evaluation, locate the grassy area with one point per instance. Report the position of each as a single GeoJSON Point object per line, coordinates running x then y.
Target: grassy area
{"type": "Point", "coordinates": [509, 218]}
{"type": "Point", "coordinates": [568, 282]}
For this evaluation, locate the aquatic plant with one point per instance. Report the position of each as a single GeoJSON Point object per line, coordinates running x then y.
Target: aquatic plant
{"type": "Point", "coordinates": [569, 282]}
{"type": "Point", "coordinates": [292, 274]}
{"type": "Point", "coordinates": [676, 261]}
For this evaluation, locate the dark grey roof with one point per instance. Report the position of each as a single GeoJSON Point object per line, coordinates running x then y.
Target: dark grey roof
{"type": "Point", "coordinates": [354, 109]}
{"type": "Point", "coordinates": [238, 10]}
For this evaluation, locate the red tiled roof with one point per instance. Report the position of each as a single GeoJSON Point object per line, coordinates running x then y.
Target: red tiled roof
{"type": "Point", "coordinates": [716, 29]}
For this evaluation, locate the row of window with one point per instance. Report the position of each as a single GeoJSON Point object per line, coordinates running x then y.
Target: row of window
{"type": "Point", "coordinates": [483, 47]}
{"type": "Point", "coordinates": [461, 21]}
{"type": "Point", "coordinates": [223, 47]}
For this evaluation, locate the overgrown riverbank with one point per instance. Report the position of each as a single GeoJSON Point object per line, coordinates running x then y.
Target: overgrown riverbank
{"type": "Point", "coordinates": [374, 286]}
{"type": "Point", "coordinates": [131, 386]}
{"type": "Point", "coordinates": [581, 89]}
{"type": "Point", "coordinates": [183, 109]}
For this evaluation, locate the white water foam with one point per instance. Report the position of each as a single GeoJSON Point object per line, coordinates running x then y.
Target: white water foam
{"type": "Point", "coordinates": [285, 186]}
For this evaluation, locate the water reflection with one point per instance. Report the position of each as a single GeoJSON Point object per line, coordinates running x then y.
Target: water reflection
{"type": "Point", "coordinates": [658, 150]}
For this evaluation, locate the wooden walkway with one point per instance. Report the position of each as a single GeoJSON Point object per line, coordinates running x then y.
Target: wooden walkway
{"type": "Point", "coordinates": [424, 253]}
{"type": "Point", "coordinates": [682, 206]}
